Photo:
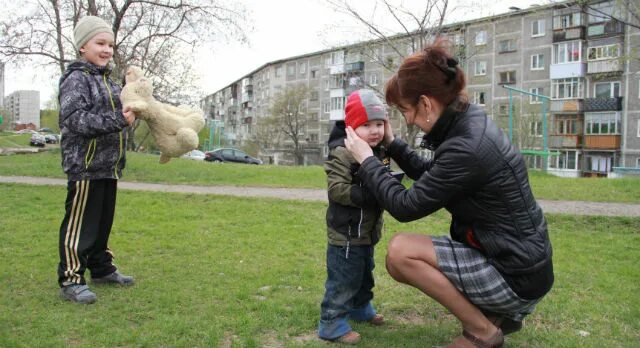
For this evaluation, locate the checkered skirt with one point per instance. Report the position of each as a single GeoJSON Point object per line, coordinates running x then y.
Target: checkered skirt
{"type": "Point", "coordinates": [470, 272]}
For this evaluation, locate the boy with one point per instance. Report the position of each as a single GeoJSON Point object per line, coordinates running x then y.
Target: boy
{"type": "Point", "coordinates": [354, 223]}
{"type": "Point", "coordinates": [92, 124]}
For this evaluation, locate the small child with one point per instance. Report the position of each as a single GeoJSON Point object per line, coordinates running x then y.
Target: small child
{"type": "Point", "coordinates": [354, 223]}
{"type": "Point", "coordinates": [93, 145]}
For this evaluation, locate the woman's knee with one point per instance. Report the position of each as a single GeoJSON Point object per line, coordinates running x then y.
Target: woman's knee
{"type": "Point", "coordinates": [397, 248]}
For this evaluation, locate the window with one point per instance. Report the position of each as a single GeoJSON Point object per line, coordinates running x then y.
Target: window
{"type": "Point", "coordinates": [567, 21]}
{"type": "Point", "coordinates": [376, 54]}
{"type": "Point", "coordinates": [314, 74]}
{"type": "Point", "coordinates": [337, 103]}
{"type": "Point", "coordinates": [303, 68]}
{"type": "Point", "coordinates": [373, 79]}
{"type": "Point", "coordinates": [337, 58]}
{"type": "Point", "coordinates": [480, 68]}
{"type": "Point", "coordinates": [326, 107]}
{"type": "Point", "coordinates": [503, 109]}
{"type": "Point", "coordinates": [535, 128]}
{"type": "Point", "coordinates": [327, 84]}
{"type": "Point", "coordinates": [602, 123]}
{"type": "Point", "coordinates": [534, 99]}
{"type": "Point", "coordinates": [537, 62]}
{"type": "Point", "coordinates": [279, 71]}
{"type": "Point", "coordinates": [537, 28]}
{"type": "Point", "coordinates": [606, 89]}
{"type": "Point", "coordinates": [566, 160]}
{"type": "Point", "coordinates": [603, 52]}
{"type": "Point", "coordinates": [458, 39]}
{"type": "Point", "coordinates": [507, 77]}
{"type": "Point", "coordinates": [291, 69]}
{"type": "Point", "coordinates": [479, 98]}
{"type": "Point", "coordinates": [506, 46]}
{"type": "Point", "coordinates": [566, 88]}
{"type": "Point", "coordinates": [568, 125]}
{"type": "Point", "coordinates": [638, 128]}
{"type": "Point", "coordinates": [600, 164]}
{"type": "Point", "coordinates": [567, 52]}
{"type": "Point", "coordinates": [481, 38]}
{"type": "Point", "coordinates": [314, 96]}
{"type": "Point", "coordinates": [637, 162]}
{"type": "Point", "coordinates": [313, 138]}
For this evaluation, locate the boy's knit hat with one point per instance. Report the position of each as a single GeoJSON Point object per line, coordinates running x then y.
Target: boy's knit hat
{"type": "Point", "coordinates": [87, 28]}
{"type": "Point", "coordinates": [363, 106]}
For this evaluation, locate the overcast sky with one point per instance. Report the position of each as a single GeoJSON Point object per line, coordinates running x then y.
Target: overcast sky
{"type": "Point", "coordinates": [282, 28]}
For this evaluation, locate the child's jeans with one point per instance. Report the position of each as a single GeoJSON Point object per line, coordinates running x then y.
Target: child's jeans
{"type": "Point", "coordinates": [348, 289]}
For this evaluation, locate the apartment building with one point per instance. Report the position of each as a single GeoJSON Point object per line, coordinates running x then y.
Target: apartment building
{"type": "Point", "coordinates": [23, 108]}
{"type": "Point", "coordinates": [587, 63]}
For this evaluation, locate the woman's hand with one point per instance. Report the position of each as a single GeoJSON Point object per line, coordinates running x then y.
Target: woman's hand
{"type": "Point", "coordinates": [388, 133]}
{"type": "Point", "coordinates": [129, 115]}
{"type": "Point", "coordinates": [358, 147]}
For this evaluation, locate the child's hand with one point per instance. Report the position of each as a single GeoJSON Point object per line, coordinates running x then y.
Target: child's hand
{"type": "Point", "coordinates": [358, 147]}
{"type": "Point", "coordinates": [129, 115]}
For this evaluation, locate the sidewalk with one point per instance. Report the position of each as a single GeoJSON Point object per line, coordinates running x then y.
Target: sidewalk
{"type": "Point", "coordinates": [550, 207]}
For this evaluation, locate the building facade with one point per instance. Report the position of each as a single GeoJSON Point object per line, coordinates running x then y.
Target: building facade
{"type": "Point", "coordinates": [23, 107]}
{"type": "Point", "coordinates": [585, 62]}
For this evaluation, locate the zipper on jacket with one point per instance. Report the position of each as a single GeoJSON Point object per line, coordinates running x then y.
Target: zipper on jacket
{"type": "Point", "coordinates": [361, 217]}
{"type": "Point", "coordinates": [91, 151]}
{"type": "Point", "coordinates": [113, 107]}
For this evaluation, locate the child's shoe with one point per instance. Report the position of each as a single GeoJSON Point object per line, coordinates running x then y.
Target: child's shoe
{"type": "Point", "coordinates": [114, 278]}
{"type": "Point", "coordinates": [350, 337]}
{"type": "Point", "coordinates": [377, 320]}
{"type": "Point", "coordinates": [77, 293]}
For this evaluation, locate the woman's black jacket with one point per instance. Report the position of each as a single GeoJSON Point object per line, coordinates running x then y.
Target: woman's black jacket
{"type": "Point", "coordinates": [481, 179]}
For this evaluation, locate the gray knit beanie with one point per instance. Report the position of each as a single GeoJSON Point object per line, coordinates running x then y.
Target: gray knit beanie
{"type": "Point", "coordinates": [87, 28]}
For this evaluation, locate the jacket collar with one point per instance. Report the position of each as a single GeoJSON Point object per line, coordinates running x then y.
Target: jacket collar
{"type": "Point", "coordinates": [444, 124]}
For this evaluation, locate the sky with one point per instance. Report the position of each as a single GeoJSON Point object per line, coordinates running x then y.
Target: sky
{"type": "Point", "coordinates": [281, 29]}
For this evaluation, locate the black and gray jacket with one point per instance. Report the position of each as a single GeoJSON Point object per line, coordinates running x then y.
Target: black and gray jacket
{"type": "Point", "coordinates": [91, 123]}
{"type": "Point", "coordinates": [353, 216]}
{"type": "Point", "coordinates": [481, 179]}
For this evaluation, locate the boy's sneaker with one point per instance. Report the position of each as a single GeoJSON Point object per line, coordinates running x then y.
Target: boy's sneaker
{"type": "Point", "coordinates": [78, 293]}
{"type": "Point", "coordinates": [350, 337]}
{"type": "Point", "coordinates": [377, 320]}
{"type": "Point", "coordinates": [114, 278]}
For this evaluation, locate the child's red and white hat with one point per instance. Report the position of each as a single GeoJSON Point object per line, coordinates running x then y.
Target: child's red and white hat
{"type": "Point", "coordinates": [363, 106]}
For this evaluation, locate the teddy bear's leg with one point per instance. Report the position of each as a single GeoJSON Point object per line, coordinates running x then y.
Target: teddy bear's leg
{"type": "Point", "coordinates": [164, 159]}
{"type": "Point", "coordinates": [138, 107]}
{"type": "Point", "coordinates": [187, 138]}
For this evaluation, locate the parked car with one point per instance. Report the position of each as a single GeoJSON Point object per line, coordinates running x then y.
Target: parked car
{"type": "Point", "coordinates": [194, 155]}
{"type": "Point", "coordinates": [51, 138]}
{"type": "Point", "coordinates": [45, 130]}
{"type": "Point", "coordinates": [230, 155]}
{"type": "Point", "coordinates": [37, 140]}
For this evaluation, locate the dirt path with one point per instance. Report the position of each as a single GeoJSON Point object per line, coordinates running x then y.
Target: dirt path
{"type": "Point", "coordinates": [551, 207]}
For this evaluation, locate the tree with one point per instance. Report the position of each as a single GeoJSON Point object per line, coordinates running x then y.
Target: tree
{"type": "Point", "coordinates": [288, 117]}
{"type": "Point", "coordinates": [626, 12]}
{"type": "Point", "coordinates": [158, 35]}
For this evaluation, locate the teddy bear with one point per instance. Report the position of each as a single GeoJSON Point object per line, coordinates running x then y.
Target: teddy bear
{"type": "Point", "coordinates": [175, 129]}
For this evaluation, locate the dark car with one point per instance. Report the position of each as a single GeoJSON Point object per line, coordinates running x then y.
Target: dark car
{"type": "Point", "coordinates": [230, 155]}
{"type": "Point", "coordinates": [37, 140]}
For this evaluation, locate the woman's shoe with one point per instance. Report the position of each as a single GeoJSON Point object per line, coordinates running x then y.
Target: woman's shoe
{"type": "Point", "coordinates": [377, 320]}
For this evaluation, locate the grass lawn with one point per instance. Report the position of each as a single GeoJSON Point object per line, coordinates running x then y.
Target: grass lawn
{"type": "Point", "coordinates": [145, 168]}
{"type": "Point", "coordinates": [230, 272]}
{"type": "Point", "coordinates": [8, 139]}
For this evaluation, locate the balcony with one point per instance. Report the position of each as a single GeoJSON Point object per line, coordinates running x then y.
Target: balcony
{"type": "Point", "coordinates": [336, 92]}
{"type": "Point", "coordinates": [575, 33]}
{"type": "Point", "coordinates": [356, 66]}
{"type": "Point", "coordinates": [336, 115]}
{"type": "Point", "coordinates": [568, 105]}
{"type": "Point", "coordinates": [336, 69]}
{"type": "Point", "coordinates": [604, 142]}
{"type": "Point", "coordinates": [604, 66]}
{"type": "Point", "coordinates": [567, 70]}
{"type": "Point", "coordinates": [565, 141]}
{"type": "Point", "coordinates": [603, 104]}
{"type": "Point", "coordinates": [611, 28]}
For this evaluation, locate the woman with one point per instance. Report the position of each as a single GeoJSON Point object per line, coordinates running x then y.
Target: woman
{"type": "Point", "coordinates": [496, 266]}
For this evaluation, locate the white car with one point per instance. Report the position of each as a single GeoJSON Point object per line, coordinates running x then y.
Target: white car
{"type": "Point", "coordinates": [194, 155]}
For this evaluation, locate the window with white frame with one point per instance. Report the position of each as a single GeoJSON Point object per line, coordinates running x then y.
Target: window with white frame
{"type": "Point", "coordinates": [638, 162]}
{"type": "Point", "coordinates": [481, 38]}
{"type": "Point", "coordinates": [602, 123]}
{"type": "Point", "coordinates": [291, 69]}
{"type": "Point", "coordinates": [604, 52]}
{"type": "Point", "coordinates": [327, 84]}
{"type": "Point", "coordinates": [535, 99]}
{"type": "Point", "coordinates": [279, 71]}
{"type": "Point", "coordinates": [314, 74]}
{"type": "Point", "coordinates": [337, 103]}
{"type": "Point", "coordinates": [638, 129]}
{"type": "Point", "coordinates": [535, 128]}
{"type": "Point", "coordinates": [537, 61]}
{"type": "Point", "coordinates": [337, 58]}
{"type": "Point", "coordinates": [537, 28]}
{"type": "Point", "coordinates": [567, 52]}
{"type": "Point", "coordinates": [570, 88]}
{"type": "Point", "coordinates": [303, 68]}
{"type": "Point", "coordinates": [606, 89]}
{"type": "Point", "coordinates": [567, 20]}
{"type": "Point", "coordinates": [566, 160]}
{"type": "Point", "coordinates": [506, 46]}
{"type": "Point", "coordinates": [326, 107]}
{"type": "Point", "coordinates": [480, 68]}
{"type": "Point", "coordinates": [507, 77]}
{"type": "Point", "coordinates": [566, 124]}
{"type": "Point", "coordinates": [600, 164]}
{"type": "Point", "coordinates": [373, 79]}
{"type": "Point", "coordinates": [479, 98]}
